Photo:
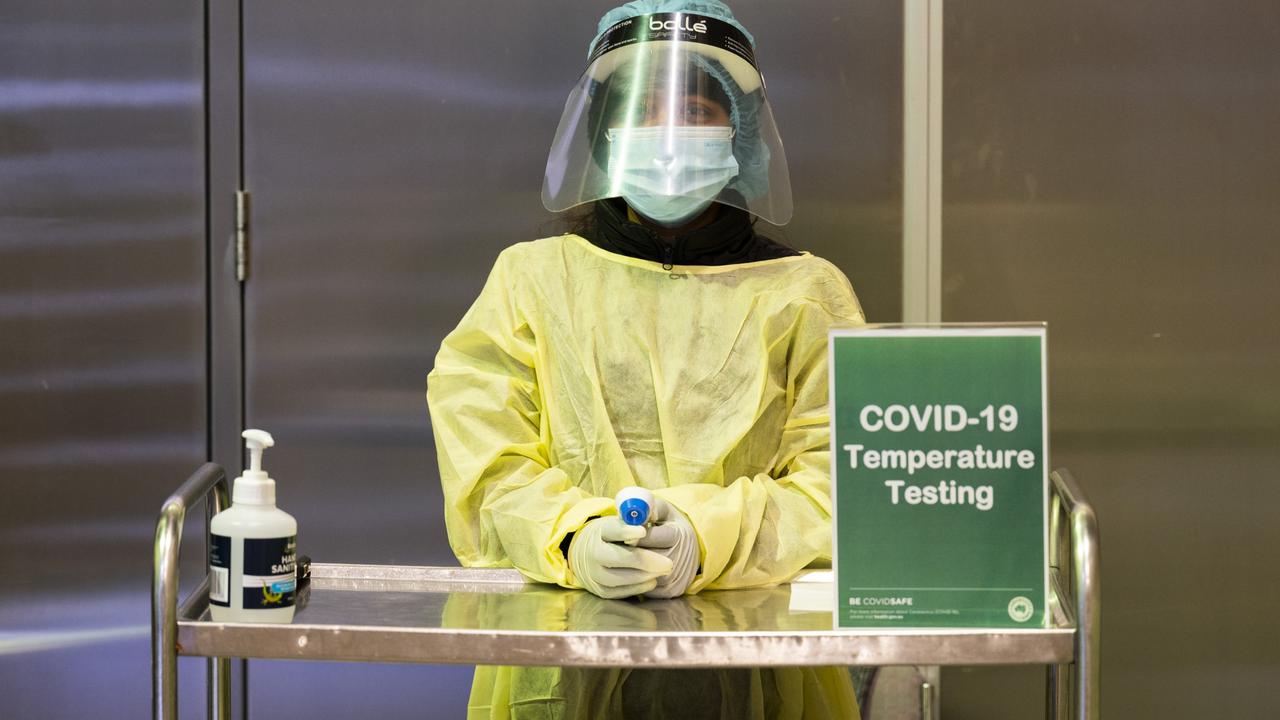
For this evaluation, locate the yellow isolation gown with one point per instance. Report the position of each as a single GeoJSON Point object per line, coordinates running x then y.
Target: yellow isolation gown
{"type": "Point", "coordinates": [578, 372]}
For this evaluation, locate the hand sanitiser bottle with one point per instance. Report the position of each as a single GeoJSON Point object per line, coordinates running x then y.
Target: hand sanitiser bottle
{"type": "Point", "coordinates": [253, 548]}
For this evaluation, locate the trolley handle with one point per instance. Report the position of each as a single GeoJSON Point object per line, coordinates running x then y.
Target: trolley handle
{"type": "Point", "coordinates": [209, 480]}
{"type": "Point", "coordinates": [1074, 558]}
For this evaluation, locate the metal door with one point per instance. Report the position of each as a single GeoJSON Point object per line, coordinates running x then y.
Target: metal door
{"type": "Point", "coordinates": [102, 339]}
{"type": "Point", "coordinates": [391, 150]}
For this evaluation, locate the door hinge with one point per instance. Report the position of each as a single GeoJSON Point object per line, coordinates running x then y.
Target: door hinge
{"type": "Point", "coordinates": [242, 235]}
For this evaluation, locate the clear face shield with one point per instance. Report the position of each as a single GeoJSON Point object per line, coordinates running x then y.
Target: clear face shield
{"type": "Point", "coordinates": [671, 116]}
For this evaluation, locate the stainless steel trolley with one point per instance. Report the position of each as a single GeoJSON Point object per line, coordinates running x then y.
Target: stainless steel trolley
{"type": "Point", "coordinates": [446, 615]}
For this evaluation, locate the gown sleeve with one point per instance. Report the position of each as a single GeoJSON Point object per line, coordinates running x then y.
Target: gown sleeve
{"type": "Point", "coordinates": [505, 504]}
{"type": "Point", "coordinates": [763, 529]}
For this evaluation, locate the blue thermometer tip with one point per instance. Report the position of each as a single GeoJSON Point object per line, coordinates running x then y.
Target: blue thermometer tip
{"type": "Point", "coordinates": [634, 511]}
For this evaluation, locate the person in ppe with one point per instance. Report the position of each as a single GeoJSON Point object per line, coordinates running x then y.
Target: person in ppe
{"type": "Point", "coordinates": [667, 346]}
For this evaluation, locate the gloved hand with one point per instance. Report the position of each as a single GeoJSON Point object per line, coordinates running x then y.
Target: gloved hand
{"type": "Point", "coordinates": [673, 536]}
{"type": "Point", "coordinates": [609, 569]}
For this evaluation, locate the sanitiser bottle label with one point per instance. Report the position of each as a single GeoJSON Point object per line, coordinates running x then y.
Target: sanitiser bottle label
{"type": "Point", "coordinates": [220, 570]}
{"type": "Point", "coordinates": [269, 572]}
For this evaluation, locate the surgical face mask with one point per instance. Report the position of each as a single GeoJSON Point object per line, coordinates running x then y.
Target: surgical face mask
{"type": "Point", "coordinates": [670, 174]}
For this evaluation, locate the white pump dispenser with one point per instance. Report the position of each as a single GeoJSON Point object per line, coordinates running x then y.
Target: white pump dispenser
{"type": "Point", "coordinates": [254, 486]}
{"type": "Point", "coordinates": [253, 548]}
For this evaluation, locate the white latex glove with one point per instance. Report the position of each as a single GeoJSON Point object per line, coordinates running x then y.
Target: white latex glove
{"type": "Point", "coordinates": [673, 536]}
{"type": "Point", "coordinates": [610, 569]}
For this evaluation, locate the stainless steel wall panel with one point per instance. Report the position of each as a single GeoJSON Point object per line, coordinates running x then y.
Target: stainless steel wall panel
{"type": "Point", "coordinates": [102, 336]}
{"type": "Point", "coordinates": [392, 150]}
{"type": "Point", "coordinates": [1112, 169]}
{"type": "Point", "coordinates": [391, 155]}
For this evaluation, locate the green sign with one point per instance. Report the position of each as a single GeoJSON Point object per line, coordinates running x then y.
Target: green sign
{"type": "Point", "coordinates": [939, 480]}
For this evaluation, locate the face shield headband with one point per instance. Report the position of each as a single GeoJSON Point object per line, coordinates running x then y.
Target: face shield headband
{"type": "Point", "coordinates": [677, 27]}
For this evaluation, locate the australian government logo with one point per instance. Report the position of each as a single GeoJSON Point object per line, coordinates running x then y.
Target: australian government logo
{"type": "Point", "coordinates": [1021, 609]}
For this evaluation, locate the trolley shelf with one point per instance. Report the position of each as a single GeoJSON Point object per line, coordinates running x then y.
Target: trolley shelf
{"type": "Point", "coordinates": [380, 613]}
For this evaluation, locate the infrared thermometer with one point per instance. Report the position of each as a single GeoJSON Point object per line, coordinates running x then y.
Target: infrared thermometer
{"type": "Point", "coordinates": [635, 507]}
